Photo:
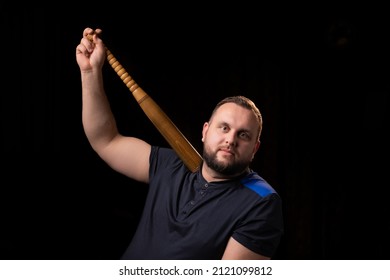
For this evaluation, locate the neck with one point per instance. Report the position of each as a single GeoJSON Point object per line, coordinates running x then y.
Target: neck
{"type": "Point", "coordinates": [211, 175]}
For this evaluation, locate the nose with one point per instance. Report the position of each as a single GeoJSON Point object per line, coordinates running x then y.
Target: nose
{"type": "Point", "coordinates": [230, 139]}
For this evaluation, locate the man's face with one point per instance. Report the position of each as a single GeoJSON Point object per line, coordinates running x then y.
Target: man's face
{"type": "Point", "coordinates": [230, 139]}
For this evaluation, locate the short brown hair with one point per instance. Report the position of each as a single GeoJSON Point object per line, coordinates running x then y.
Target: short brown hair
{"type": "Point", "coordinates": [243, 102]}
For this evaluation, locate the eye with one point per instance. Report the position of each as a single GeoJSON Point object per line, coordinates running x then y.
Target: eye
{"type": "Point", "coordinates": [225, 128]}
{"type": "Point", "coordinates": [244, 135]}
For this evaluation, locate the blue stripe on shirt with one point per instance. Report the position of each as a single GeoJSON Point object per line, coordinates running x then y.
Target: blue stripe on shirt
{"type": "Point", "coordinates": [254, 182]}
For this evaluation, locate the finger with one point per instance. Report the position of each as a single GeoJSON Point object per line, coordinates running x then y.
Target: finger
{"type": "Point", "coordinates": [98, 31]}
{"type": "Point", "coordinates": [81, 49]}
{"type": "Point", "coordinates": [88, 45]}
{"type": "Point", "coordinates": [88, 31]}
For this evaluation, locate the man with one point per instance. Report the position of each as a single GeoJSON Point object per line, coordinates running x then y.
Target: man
{"type": "Point", "coordinates": [222, 211]}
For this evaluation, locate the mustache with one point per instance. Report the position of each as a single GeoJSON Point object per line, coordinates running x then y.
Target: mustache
{"type": "Point", "coordinates": [227, 148]}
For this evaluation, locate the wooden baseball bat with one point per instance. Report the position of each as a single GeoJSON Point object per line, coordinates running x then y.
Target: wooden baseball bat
{"type": "Point", "coordinates": [157, 116]}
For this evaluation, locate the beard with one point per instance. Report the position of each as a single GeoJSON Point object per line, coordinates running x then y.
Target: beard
{"type": "Point", "coordinates": [227, 169]}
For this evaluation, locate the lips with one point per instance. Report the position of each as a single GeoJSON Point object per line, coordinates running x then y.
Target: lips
{"type": "Point", "coordinates": [226, 151]}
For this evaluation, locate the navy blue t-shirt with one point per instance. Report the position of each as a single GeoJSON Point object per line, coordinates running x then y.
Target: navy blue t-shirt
{"type": "Point", "coordinates": [186, 217]}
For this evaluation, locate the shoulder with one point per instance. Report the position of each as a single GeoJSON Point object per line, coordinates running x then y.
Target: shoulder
{"type": "Point", "coordinates": [164, 159]}
{"type": "Point", "coordinates": [162, 153]}
{"type": "Point", "coordinates": [256, 183]}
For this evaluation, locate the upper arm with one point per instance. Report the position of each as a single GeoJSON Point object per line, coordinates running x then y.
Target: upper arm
{"type": "Point", "coordinates": [236, 251]}
{"type": "Point", "coordinates": [129, 156]}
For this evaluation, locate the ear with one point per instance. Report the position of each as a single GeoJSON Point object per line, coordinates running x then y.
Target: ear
{"type": "Point", "coordinates": [256, 148]}
{"type": "Point", "coordinates": [204, 130]}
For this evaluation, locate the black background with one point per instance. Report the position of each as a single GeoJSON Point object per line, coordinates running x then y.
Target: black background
{"type": "Point", "coordinates": [319, 74]}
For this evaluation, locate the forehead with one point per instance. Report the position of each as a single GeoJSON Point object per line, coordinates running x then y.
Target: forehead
{"type": "Point", "coordinates": [232, 113]}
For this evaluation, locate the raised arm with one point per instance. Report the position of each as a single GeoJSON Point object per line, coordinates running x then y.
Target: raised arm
{"type": "Point", "coordinates": [127, 155]}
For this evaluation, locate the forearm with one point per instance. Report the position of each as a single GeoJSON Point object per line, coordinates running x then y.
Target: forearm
{"type": "Point", "coordinates": [98, 120]}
